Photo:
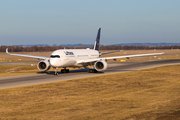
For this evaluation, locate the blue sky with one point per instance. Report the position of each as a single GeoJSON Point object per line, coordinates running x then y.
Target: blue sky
{"type": "Point", "coordinates": [77, 21]}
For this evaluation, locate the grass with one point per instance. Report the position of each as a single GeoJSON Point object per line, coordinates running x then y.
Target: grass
{"type": "Point", "coordinates": [5, 68]}
{"type": "Point", "coordinates": [144, 94]}
{"type": "Point", "coordinates": [14, 70]}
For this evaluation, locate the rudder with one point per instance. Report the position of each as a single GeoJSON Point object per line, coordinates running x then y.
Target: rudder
{"type": "Point", "coordinates": [96, 44]}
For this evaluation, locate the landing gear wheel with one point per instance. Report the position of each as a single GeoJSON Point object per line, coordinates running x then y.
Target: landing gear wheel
{"type": "Point", "coordinates": [92, 71]}
{"type": "Point", "coordinates": [55, 73]}
{"type": "Point", "coordinates": [65, 71]}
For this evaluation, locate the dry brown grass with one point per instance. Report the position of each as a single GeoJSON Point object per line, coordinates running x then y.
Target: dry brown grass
{"type": "Point", "coordinates": [14, 70]}
{"type": "Point", "coordinates": [5, 68]}
{"type": "Point", "coordinates": [144, 94]}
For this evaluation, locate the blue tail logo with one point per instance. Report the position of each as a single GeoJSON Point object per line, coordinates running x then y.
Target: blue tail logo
{"type": "Point", "coordinates": [96, 44]}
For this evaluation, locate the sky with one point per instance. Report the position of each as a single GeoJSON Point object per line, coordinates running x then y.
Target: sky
{"type": "Point", "coordinates": [77, 21]}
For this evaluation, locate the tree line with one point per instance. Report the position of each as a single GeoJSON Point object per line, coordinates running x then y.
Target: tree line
{"type": "Point", "coordinates": [102, 47]}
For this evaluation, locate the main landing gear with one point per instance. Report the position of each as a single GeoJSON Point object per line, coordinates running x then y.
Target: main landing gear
{"type": "Point", "coordinates": [92, 71]}
{"type": "Point", "coordinates": [62, 71]}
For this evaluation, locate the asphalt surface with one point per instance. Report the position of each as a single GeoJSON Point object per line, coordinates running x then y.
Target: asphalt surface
{"type": "Point", "coordinates": [19, 63]}
{"type": "Point", "coordinates": [15, 81]}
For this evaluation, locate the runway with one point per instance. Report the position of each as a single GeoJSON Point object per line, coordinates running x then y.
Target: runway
{"type": "Point", "coordinates": [15, 81]}
{"type": "Point", "coordinates": [19, 63]}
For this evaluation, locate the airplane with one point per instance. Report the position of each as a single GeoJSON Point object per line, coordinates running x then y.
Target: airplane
{"type": "Point", "coordinates": [63, 58]}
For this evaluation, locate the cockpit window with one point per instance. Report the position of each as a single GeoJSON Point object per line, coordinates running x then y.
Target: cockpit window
{"type": "Point", "coordinates": [54, 56]}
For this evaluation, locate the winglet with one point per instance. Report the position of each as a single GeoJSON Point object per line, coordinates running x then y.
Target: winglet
{"type": "Point", "coordinates": [96, 44]}
{"type": "Point", "coordinates": [168, 51]}
{"type": "Point", "coordinates": [7, 51]}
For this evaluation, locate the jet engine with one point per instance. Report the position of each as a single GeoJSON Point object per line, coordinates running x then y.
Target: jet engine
{"type": "Point", "coordinates": [44, 65]}
{"type": "Point", "coordinates": [100, 65]}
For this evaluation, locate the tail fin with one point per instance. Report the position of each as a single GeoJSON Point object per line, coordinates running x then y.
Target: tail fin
{"type": "Point", "coordinates": [96, 44]}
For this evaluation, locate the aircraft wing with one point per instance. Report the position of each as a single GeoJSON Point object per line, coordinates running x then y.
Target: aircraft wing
{"type": "Point", "coordinates": [30, 56]}
{"type": "Point", "coordinates": [117, 57]}
{"type": "Point", "coordinates": [110, 52]}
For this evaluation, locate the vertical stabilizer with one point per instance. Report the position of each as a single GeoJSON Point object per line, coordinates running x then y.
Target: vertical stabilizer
{"type": "Point", "coordinates": [96, 44]}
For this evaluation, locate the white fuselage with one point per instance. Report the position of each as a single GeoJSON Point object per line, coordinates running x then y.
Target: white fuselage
{"type": "Point", "coordinates": [70, 57]}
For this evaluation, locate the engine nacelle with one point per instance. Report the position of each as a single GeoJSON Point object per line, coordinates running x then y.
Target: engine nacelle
{"type": "Point", "coordinates": [44, 65]}
{"type": "Point", "coordinates": [100, 65]}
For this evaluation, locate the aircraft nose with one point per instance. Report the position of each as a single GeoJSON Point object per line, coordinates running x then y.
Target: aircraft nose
{"type": "Point", "coordinates": [53, 62]}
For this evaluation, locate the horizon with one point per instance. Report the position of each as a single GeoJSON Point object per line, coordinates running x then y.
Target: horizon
{"type": "Point", "coordinates": [91, 45]}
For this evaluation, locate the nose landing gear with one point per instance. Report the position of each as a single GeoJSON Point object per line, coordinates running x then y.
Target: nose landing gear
{"type": "Point", "coordinates": [56, 73]}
